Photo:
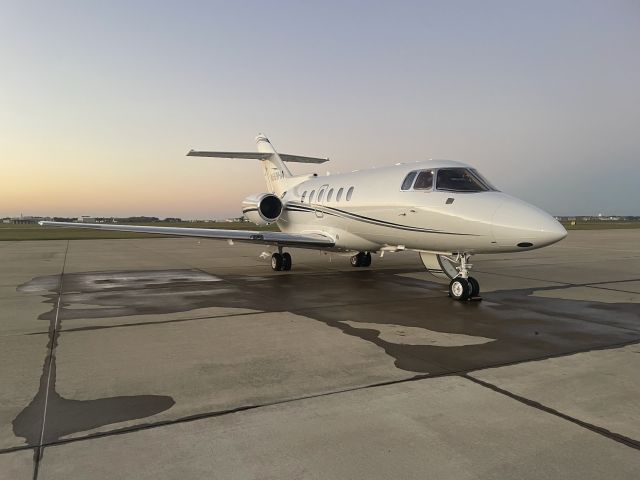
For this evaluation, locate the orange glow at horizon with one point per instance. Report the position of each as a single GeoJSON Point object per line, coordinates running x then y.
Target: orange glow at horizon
{"type": "Point", "coordinates": [73, 185]}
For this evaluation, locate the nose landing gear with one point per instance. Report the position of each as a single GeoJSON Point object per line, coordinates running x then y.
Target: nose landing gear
{"type": "Point", "coordinates": [464, 287]}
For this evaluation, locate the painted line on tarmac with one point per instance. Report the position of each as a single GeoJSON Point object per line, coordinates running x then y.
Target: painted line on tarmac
{"type": "Point", "coordinates": [53, 342]}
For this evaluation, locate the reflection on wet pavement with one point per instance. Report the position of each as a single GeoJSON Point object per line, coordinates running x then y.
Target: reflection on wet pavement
{"type": "Point", "coordinates": [409, 319]}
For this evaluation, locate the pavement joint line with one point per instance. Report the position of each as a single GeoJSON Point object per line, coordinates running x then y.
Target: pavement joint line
{"type": "Point", "coordinates": [614, 281]}
{"type": "Point", "coordinates": [158, 322]}
{"type": "Point", "coordinates": [299, 311]}
{"type": "Point", "coordinates": [326, 305]}
{"type": "Point", "coordinates": [336, 305]}
{"type": "Point", "coordinates": [53, 340]}
{"type": "Point", "coordinates": [612, 290]}
{"type": "Point", "coordinates": [629, 442]}
{"type": "Point", "coordinates": [566, 316]}
{"type": "Point", "coordinates": [23, 334]}
{"type": "Point", "coordinates": [594, 321]}
{"type": "Point", "coordinates": [243, 408]}
{"type": "Point", "coordinates": [194, 319]}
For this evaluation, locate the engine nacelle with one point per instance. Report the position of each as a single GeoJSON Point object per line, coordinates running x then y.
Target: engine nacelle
{"type": "Point", "coordinates": [262, 209]}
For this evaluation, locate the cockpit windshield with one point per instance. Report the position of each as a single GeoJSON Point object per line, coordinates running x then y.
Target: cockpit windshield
{"type": "Point", "coordinates": [461, 180]}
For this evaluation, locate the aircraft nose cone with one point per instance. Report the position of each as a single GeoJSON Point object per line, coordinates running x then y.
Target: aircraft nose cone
{"type": "Point", "coordinates": [522, 226]}
{"type": "Point", "coordinates": [553, 230]}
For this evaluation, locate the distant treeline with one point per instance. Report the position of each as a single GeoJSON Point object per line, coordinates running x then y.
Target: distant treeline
{"type": "Point", "coordinates": [591, 218]}
{"type": "Point", "coordinates": [140, 219]}
{"type": "Point", "coordinates": [121, 219]}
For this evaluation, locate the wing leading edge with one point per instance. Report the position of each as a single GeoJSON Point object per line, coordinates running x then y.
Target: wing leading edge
{"type": "Point", "coordinates": [314, 240]}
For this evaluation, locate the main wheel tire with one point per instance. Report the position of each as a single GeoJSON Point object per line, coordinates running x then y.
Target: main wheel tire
{"type": "Point", "coordinates": [286, 261]}
{"type": "Point", "coordinates": [276, 262]}
{"type": "Point", "coordinates": [356, 260]}
{"type": "Point", "coordinates": [459, 289]}
{"type": "Point", "coordinates": [366, 259]}
{"type": "Point", "coordinates": [474, 286]}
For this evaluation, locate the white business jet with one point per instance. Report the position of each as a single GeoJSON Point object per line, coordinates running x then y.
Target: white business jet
{"type": "Point", "coordinates": [444, 210]}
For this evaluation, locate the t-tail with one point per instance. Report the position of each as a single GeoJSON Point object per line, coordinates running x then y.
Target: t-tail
{"type": "Point", "coordinates": [274, 169]}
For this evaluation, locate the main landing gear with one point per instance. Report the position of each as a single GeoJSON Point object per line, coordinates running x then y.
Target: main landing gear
{"type": "Point", "coordinates": [464, 287]}
{"type": "Point", "coordinates": [362, 259]}
{"type": "Point", "coordinates": [281, 261]}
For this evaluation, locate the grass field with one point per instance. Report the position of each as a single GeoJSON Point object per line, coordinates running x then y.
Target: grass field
{"type": "Point", "coordinates": [36, 232]}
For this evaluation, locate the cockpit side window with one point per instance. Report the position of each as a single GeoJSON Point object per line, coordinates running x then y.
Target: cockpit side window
{"type": "Point", "coordinates": [483, 179]}
{"type": "Point", "coordinates": [408, 181]}
{"type": "Point", "coordinates": [424, 180]}
{"type": "Point", "coordinates": [461, 180]}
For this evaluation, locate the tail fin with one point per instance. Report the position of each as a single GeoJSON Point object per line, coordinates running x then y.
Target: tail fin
{"type": "Point", "coordinates": [273, 163]}
{"type": "Point", "coordinates": [273, 168]}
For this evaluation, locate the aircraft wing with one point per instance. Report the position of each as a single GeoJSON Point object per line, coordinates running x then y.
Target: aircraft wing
{"type": "Point", "coordinates": [311, 240]}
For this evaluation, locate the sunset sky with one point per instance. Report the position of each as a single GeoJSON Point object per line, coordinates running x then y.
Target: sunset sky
{"type": "Point", "coordinates": [100, 101]}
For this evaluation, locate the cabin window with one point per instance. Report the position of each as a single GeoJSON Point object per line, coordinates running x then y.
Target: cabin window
{"type": "Point", "coordinates": [330, 194]}
{"type": "Point", "coordinates": [311, 195]}
{"type": "Point", "coordinates": [424, 180]}
{"type": "Point", "coordinates": [408, 180]}
{"type": "Point", "coordinates": [320, 195]}
{"type": "Point", "coordinates": [304, 194]}
{"type": "Point", "coordinates": [349, 193]}
{"type": "Point", "coordinates": [339, 195]}
{"type": "Point", "coordinates": [461, 180]}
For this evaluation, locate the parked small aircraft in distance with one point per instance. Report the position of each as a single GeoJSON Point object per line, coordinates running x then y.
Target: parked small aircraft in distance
{"type": "Point", "coordinates": [444, 210]}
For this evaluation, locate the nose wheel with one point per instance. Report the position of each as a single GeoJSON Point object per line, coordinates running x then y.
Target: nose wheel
{"type": "Point", "coordinates": [281, 261]}
{"type": "Point", "coordinates": [459, 289]}
{"type": "Point", "coordinates": [463, 287]}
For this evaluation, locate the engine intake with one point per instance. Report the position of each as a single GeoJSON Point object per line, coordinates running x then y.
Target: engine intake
{"type": "Point", "coordinates": [262, 209]}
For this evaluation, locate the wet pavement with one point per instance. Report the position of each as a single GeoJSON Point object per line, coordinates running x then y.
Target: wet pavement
{"type": "Point", "coordinates": [194, 356]}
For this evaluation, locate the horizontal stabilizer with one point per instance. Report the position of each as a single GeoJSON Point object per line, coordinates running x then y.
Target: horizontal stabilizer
{"type": "Point", "coordinates": [247, 155]}
{"type": "Point", "coordinates": [285, 157]}
{"type": "Point", "coordinates": [300, 159]}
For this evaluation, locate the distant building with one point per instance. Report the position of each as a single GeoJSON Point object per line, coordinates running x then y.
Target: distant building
{"type": "Point", "coordinates": [86, 219]}
{"type": "Point", "coordinates": [24, 220]}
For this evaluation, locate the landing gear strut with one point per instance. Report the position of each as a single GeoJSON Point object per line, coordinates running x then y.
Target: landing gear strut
{"type": "Point", "coordinates": [463, 287]}
{"type": "Point", "coordinates": [281, 261]}
{"type": "Point", "coordinates": [362, 259]}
